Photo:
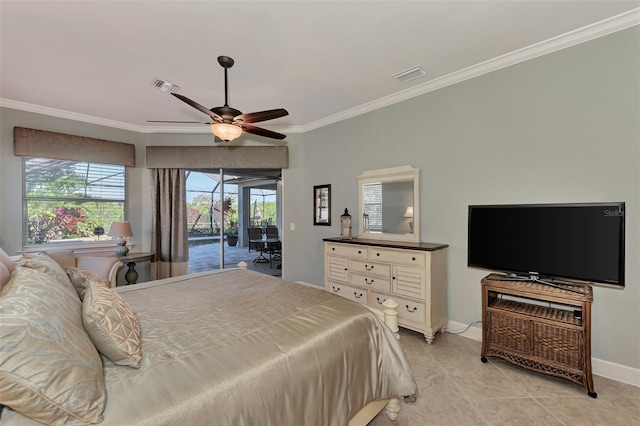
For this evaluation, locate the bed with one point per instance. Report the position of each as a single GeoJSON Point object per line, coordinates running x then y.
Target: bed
{"type": "Point", "coordinates": [236, 347]}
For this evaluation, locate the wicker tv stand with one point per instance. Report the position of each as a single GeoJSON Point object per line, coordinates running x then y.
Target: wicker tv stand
{"type": "Point", "coordinates": [550, 340]}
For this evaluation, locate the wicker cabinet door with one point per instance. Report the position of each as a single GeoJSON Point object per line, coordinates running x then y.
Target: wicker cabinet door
{"type": "Point", "coordinates": [509, 332]}
{"type": "Point", "coordinates": [559, 344]}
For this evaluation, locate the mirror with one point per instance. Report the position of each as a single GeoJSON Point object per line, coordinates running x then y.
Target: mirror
{"type": "Point", "coordinates": [388, 200]}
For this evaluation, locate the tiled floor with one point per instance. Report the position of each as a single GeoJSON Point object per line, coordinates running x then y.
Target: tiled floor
{"type": "Point", "coordinates": [456, 388]}
{"type": "Point", "coordinates": [206, 257]}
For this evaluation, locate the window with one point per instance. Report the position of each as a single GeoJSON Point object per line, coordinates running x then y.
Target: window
{"type": "Point", "coordinates": [372, 205]}
{"type": "Point", "coordinates": [71, 201]}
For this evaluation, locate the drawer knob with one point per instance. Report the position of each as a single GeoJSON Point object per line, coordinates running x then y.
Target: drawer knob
{"type": "Point", "coordinates": [368, 268]}
{"type": "Point", "coordinates": [333, 248]}
{"type": "Point", "coordinates": [366, 280]}
{"type": "Point", "coordinates": [415, 308]}
{"type": "Point", "coordinates": [413, 258]}
{"type": "Point", "coordinates": [335, 289]}
{"type": "Point", "coordinates": [345, 269]}
{"type": "Point", "coordinates": [393, 278]}
{"type": "Point", "coordinates": [380, 302]}
{"type": "Point", "coordinates": [359, 252]}
{"type": "Point", "coordinates": [356, 295]}
{"type": "Point", "coordinates": [377, 254]}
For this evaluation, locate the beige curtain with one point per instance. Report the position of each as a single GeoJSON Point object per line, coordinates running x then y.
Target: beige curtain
{"type": "Point", "coordinates": [169, 235]}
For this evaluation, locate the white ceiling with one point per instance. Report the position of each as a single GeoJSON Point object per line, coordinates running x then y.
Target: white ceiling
{"type": "Point", "coordinates": [323, 61]}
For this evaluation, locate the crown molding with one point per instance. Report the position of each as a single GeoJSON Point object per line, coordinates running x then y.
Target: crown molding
{"type": "Point", "coordinates": [572, 38]}
{"type": "Point", "coordinates": [53, 112]}
{"type": "Point", "coordinates": [563, 41]}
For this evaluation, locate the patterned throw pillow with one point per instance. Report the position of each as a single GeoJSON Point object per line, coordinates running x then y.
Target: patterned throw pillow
{"type": "Point", "coordinates": [112, 325]}
{"type": "Point", "coordinates": [50, 370]}
{"type": "Point", "coordinates": [80, 278]}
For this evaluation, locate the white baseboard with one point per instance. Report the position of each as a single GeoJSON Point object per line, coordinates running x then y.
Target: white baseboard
{"type": "Point", "coordinates": [474, 333]}
{"type": "Point", "coordinates": [610, 370]}
{"type": "Point", "coordinates": [308, 284]}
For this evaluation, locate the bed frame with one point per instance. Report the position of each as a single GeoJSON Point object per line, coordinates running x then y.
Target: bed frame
{"type": "Point", "coordinates": [390, 317]}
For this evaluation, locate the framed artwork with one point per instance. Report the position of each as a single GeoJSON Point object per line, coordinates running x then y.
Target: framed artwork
{"type": "Point", "coordinates": [322, 205]}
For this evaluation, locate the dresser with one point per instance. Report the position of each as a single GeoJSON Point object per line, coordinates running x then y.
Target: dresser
{"type": "Point", "coordinates": [413, 274]}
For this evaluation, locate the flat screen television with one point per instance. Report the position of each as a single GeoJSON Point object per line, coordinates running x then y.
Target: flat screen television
{"type": "Point", "coordinates": [574, 242]}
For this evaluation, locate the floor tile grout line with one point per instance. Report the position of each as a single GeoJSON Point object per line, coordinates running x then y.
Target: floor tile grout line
{"type": "Point", "coordinates": [549, 411]}
{"type": "Point", "coordinates": [484, 421]}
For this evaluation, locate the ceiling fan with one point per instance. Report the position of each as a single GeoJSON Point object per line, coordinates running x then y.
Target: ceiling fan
{"type": "Point", "coordinates": [229, 123]}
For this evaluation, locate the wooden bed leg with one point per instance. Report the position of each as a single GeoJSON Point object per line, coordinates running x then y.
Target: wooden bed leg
{"type": "Point", "coordinates": [391, 316]}
{"type": "Point", "coordinates": [242, 265]}
{"type": "Point", "coordinates": [393, 408]}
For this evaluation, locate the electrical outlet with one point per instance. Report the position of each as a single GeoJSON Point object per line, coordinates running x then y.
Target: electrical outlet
{"type": "Point", "coordinates": [292, 226]}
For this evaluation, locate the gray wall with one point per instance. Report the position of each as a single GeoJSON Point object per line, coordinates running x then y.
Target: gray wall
{"type": "Point", "coordinates": [560, 128]}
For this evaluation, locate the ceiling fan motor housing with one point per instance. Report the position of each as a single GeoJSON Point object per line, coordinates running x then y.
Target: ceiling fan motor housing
{"type": "Point", "coordinates": [226, 112]}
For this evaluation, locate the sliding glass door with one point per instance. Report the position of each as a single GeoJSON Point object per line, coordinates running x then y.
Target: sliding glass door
{"type": "Point", "coordinates": [221, 206]}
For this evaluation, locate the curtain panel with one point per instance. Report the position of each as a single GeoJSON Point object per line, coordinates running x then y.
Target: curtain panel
{"type": "Point", "coordinates": [169, 234]}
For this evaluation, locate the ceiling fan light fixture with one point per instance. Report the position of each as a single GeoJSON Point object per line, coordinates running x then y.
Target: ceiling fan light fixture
{"type": "Point", "coordinates": [225, 131]}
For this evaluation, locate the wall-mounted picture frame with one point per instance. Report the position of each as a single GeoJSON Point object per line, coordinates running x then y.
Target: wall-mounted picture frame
{"type": "Point", "coordinates": [322, 205]}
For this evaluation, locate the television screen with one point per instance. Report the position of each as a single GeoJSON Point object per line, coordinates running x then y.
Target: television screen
{"type": "Point", "coordinates": [582, 242]}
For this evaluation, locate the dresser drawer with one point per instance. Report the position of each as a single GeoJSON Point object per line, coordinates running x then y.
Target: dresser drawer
{"type": "Point", "coordinates": [407, 309]}
{"type": "Point", "coordinates": [353, 293]}
{"type": "Point", "coordinates": [402, 257]}
{"type": "Point", "coordinates": [370, 268]}
{"type": "Point", "coordinates": [346, 250]}
{"type": "Point", "coordinates": [371, 281]}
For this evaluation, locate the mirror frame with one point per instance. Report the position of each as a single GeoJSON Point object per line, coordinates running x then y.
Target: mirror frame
{"type": "Point", "coordinates": [392, 174]}
{"type": "Point", "coordinates": [318, 190]}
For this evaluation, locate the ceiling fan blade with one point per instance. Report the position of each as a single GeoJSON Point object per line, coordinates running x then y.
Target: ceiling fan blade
{"type": "Point", "coordinates": [262, 132]}
{"type": "Point", "coordinates": [254, 117]}
{"type": "Point", "coordinates": [172, 121]}
{"type": "Point", "coordinates": [198, 106]}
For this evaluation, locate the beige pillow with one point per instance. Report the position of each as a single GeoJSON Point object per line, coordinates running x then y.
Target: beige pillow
{"type": "Point", "coordinates": [43, 263]}
{"type": "Point", "coordinates": [80, 278]}
{"type": "Point", "coordinates": [5, 276]}
{"type": "Point", "coordinates": [6, 260]}
{"type": "Point", "coordinates": [50, 370]}
{"type": "Point", "coordinates": [112, 325]}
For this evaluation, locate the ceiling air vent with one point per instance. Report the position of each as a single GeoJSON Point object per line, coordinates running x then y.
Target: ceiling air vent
{"type": "Point", "coordinates": [410, 74]}
{"type": "Point", "coordinates": [164, 85]}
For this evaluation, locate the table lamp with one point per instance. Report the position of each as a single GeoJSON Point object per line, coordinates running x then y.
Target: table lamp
{"type": "Point", "coordinates": [409, 213]}
{"type": "Point", "coordinates": [121, 230]}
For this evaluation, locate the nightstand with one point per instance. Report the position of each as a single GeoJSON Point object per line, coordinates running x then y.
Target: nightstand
{"type": "Point", "coordinates": [130, 259]}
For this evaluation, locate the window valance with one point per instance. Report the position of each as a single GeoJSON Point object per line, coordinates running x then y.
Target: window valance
{"type": "Point", "coordinates": [61, 146]}
{"type": "Point", "coordinates": [214, 157]}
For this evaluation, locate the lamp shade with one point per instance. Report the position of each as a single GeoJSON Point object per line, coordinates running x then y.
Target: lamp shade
{"type": "Point", "coordinates": [225, 131]}
{"type": "Point", "coordinates": [120, 229]}
{"type": "Point", "coordinates": [409, 212]}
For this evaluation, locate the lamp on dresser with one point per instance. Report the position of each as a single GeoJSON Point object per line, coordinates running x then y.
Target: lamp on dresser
{"type": "Point", "coordinates": [409, 213]}
{"type": "Point", "coordinates": [121, 230]}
